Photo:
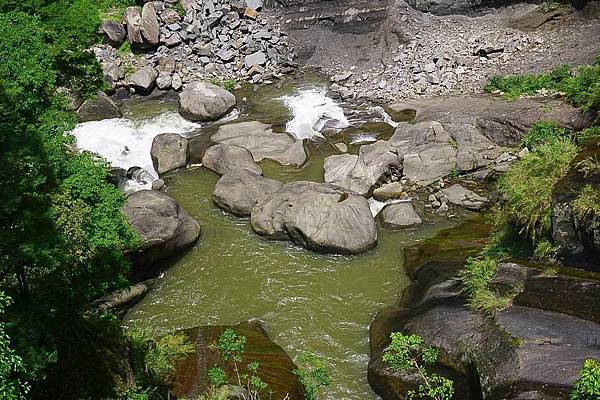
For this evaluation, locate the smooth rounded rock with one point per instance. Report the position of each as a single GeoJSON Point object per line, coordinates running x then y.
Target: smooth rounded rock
{"type": "Point", "coordinates": [400, 215]}
{"type": "Point", "coordinates": [223, 158]}
{"type": "Point", "coordinates": [169, 151]}
{"type": "Point", "coordinates": [202, 101]}
{"type": "Point", "coordinates": [239, 190]}
{"type": "Point", "coordinates": [318, 216]}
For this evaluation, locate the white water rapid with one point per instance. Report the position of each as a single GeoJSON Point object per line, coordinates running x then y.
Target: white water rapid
{"type": "Point", "coordinates": [313, 111]}
{"type": "Point", "coordinates": [126, 143]}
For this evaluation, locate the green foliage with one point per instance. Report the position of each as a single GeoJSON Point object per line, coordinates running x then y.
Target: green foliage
{"type": "Point", "coordinates": [156, 356]}
{"type": "Point", "coordinates": [545, 251]}
{"type": "Point", "coordinates": [63, 235]}
{"type": "Point", "coordinates": [589, 133]}
{"type": "Point", "coordinates": [231, 346]}
{"type": "Point", "coordinates": [228, 84]}
{"type": "Point", "coordinates": [312, 374]}
{"type": "Point", "coordinates": [476, 277]}
{"type": "Point", "coordinates": [587, 387]}
{"type": "Point", "coordinates": [581, 87]}
{"type": "Point", "coordinates": [12, 385]}
{"type": "Point", "coordinates": [409, 354]}
{"type": "Point", "coordinates": [526, 188]}
{"type": "Point", "coordinates": [589, 166]}
{"type": "Point", "coordinates": [587, 202]}
{"type": "Point", "coordinates": [541, 133]}
{"type": "Point", "coordinates": [179, 8]}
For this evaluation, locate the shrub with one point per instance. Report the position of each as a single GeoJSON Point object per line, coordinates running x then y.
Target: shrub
{"type": "Point", "coordinates": [542, 132]}
{"type": "Point", "coordinates": [580, 87]}
{"type": "Point", "coordinates": [156, 356]}
{"type": "Point", "coordinates": [589, 133]}
{"type": "Point", "coordinates": [312, 373]}
{"type": "Point", "coordinates": [545, 251]}
{"type": "Point", "coordinates": [526, 188]}
{"type": "Point", "coordinates": [476, 277]}
{"type": "Point", "coordinates": [409, 354]}
{"type": "Point", "coordinates": [588, 202]}
{"type": "Point", "coordinates": [587, 387]}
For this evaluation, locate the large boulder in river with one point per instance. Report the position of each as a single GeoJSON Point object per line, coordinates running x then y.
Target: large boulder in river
{"type": "Point", "coordinates": [169, 151]}
{"type": "Point", "coordinates": [143, 80]}
{"type": "Point", "coordinates": [532, 349]}
{"type": "Point", "coordinates": [360, 173]}
{"type": "Point", "coordinates": [164, 227]}
{"type": "Point", "coordinates": [400, 215]}
{"type": "Point", "coordinates": [276, 367]}
{"type": "Point", "coordinates": [318, 216]}
{"type": "Point", "coordinates": [223, 158]}
{"type": "Point", "coordinates": [203, 101]}
{"type": "Point", "coordinates": [99, 108]}
{"type": "Point", "coordinates": [239, 190]}
{"type": "Point", "coordinates": [262, 142]}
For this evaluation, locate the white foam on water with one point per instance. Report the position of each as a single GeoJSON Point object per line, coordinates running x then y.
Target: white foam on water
{"type": "Point", "coordinates": [312, 111]}
{"type": "Point", "coordinates": [126, 143]}
{"type": "Point", "coordinates": [384, 115]}
{"type": "Point", "coordinates": [376, 206]}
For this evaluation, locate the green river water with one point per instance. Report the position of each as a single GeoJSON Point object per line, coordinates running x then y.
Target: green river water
{"type": "Point", "coordinates": [324, 303]}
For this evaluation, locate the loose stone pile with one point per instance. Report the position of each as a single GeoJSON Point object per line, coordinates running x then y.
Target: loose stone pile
{"type": "Point", "coordinates": [184, 40]}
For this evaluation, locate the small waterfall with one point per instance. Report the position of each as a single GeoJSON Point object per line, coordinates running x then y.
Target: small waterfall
{"type": "Point", "coordinates": [126, 143]}
{"type": "Point", "coordinates": [313, 111]}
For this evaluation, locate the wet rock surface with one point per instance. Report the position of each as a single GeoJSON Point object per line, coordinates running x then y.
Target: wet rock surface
{"type": "Point", "coordinates": [165, 228]}
{"type": "Point", "coordinates": [276, 367]}
{"type": "Point", "coordinates": [534, 348]}
{"type": "Point", "coordinates": [320, 217]}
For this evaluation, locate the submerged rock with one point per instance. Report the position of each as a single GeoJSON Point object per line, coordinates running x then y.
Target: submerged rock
{"type": "Point", "coordinates": [169, 151]}
{"type": "Point", "coordinates": [400, 215]}
{"type": "Point", "coordinates": [99, 108]}
{"type": "Point", "coordinates": [276, 367]}
{"type": "Point", "coordinates": [165, 228]}
{"type": "Point", "coordinates": [239, 190]}
{"type": "Point", "coordinates": [223, 158]}
{"type": "Point", "coordinates": [203, 101]}
{"type": "Point", "coordinates": [262, 142]}
{"type": "Point", "coordinates": [318, 216]}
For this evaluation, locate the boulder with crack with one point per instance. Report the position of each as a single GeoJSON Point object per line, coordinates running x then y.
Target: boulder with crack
{"type": "Point", "coordinates": [262, 142]}
{"type": "Point", "coordinates": [239, 190]}
{"type": "Point", "coordinates": [223, 158]}
{"type": "Point", "coordinates": [360, 173]}
{"type": "Point", "coordinates": [318, 216]}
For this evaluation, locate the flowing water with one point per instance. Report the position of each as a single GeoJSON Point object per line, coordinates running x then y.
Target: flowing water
{"type": "Point", "coordinates": [324, 303]}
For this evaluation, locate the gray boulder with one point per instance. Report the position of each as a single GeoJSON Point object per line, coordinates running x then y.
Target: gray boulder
{"type": "Point", "coordinates": [149, 24]}
{"type": "Point", "coordinates": [169, 151]}
{"type": "Point", "coordinates": [463, 197]}
{"type": "Point", "coordinates": [223, 158]}
{"type": "Point", "coordinates": [99, 108]}
{"type": "Point", "coordinates": [360, 173]}
{"type": "Point", "coordinates": [400, 215]}
{"type": "Point", "coordinates": [133, 20]}
{"type": "Point", "coordinates": [114, 32]}
{"type": "Point", "coordinates": [239, 190]}
{"type": "Point", "coordinates": [318, 216]}
{"type": "Point", "coordinates": [262, 142]}
{"type": "Point", "coordinates": [143, 80]}
{"type": "Point", "coordinates": [202, 101]}
{"type": "Point", "coordinates": [391, 190]}
{"type": "Point", "coordinates": [164, 227]}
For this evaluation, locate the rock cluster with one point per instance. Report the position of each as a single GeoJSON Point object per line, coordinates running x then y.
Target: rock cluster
{"type": "Point", "coordinates": [191, 39]}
